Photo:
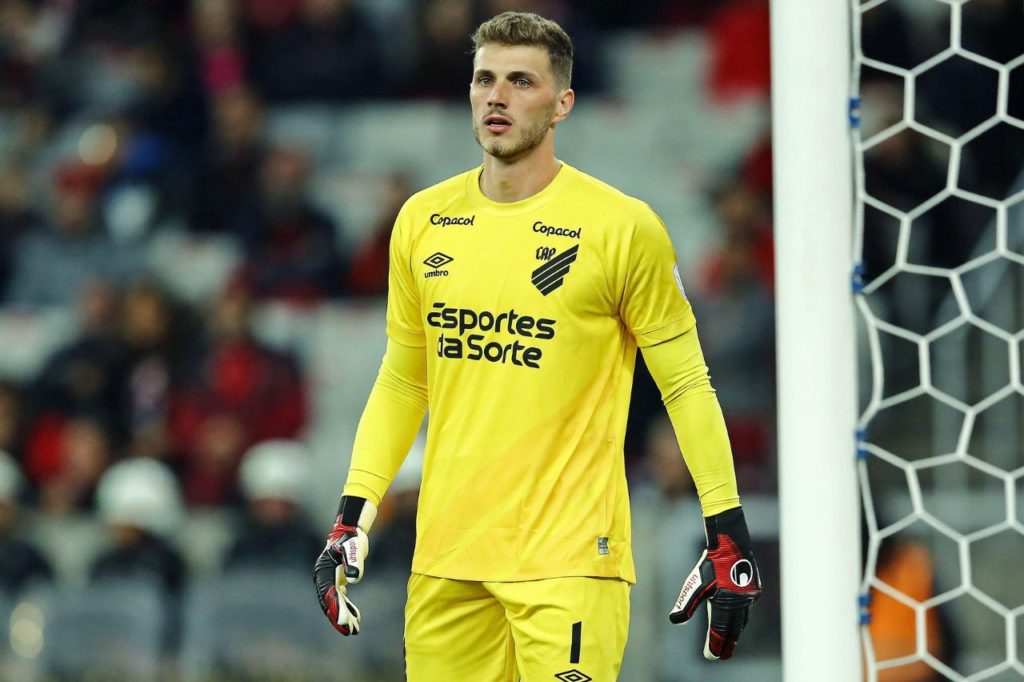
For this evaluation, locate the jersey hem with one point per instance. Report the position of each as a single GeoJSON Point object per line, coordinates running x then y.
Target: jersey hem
{"type": "Point", "coordinates": [523, 577]}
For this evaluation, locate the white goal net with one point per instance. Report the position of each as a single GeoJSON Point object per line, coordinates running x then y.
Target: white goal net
{"type": "Point", "coordinates": [937, 114]}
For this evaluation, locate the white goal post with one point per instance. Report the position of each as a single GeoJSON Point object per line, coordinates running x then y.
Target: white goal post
{"type": "Point", "coordinates": [818, 499]}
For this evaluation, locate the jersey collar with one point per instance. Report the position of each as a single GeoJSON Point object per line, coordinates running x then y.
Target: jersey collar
{"type": "Point", "coordinates": [481, 203]}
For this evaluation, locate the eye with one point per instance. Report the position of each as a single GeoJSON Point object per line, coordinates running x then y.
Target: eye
{"type": "Point", "coordinates": [522, 83]}
{"type": "Point", "coordinates": [484, 80]}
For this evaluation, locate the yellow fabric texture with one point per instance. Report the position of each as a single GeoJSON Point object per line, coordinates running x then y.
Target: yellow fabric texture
{"type": "Point", "coordinates": [494, 631]}
{"type": "Point", "coordinates": [677, 367]}
{"type": "Point", "coordinates": [389, 423]}
{"type": "Point", "coordinates": [528, 315]}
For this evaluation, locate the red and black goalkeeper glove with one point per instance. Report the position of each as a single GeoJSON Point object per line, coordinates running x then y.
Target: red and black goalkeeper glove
{"type": "Point", "coordinates": [726, 576]}
{"type": "Point", "coordinates": [341, 562]}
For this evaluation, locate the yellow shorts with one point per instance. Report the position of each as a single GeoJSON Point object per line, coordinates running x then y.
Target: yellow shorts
{"type": "Point", "coordinates": [559, 629]}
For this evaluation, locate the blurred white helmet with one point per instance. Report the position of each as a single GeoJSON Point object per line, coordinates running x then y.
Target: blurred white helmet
{"type": "Point", "coordinates": [278, 469]}
{"type": "Point", "coordinates": [142, 493]}
{"type": "Point", "coordinates": [10, 478]}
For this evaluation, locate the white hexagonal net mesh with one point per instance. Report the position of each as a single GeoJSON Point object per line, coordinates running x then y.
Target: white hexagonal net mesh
{"type": "Point", "coordinates": [937, 115]}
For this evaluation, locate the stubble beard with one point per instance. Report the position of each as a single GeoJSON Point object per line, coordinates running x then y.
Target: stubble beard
{"type": "Point", "coordinates": [529, 140]}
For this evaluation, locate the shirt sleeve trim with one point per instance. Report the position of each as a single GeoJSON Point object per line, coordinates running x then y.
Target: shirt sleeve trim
{"type": "Point", "coordinates": [406, 337]}
{"type": "Point", "coordinates": [665, 331]}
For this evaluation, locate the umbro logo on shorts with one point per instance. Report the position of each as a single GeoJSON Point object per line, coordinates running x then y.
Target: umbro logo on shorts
{"type": "Point", "coordinates": [551, 275]}
{"type": "Point", "coordinates": [573, 676]}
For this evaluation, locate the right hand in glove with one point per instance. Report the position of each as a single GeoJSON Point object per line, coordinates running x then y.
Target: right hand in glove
{"type": "Point", "coordinates": [341, 562]}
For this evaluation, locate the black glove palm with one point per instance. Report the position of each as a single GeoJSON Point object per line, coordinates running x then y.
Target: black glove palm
{"type": "Point", "coordinates": [341, 563]}
{"type": "Point", "coordinates": [726, 576]}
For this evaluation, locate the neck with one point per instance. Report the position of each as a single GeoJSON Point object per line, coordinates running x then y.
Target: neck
{"type": "Point", "coordinates": [505, 181]}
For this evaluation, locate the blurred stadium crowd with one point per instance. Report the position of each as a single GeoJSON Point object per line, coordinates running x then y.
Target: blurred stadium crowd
{"type": "Point", "coordinates": [164, 182]}
{"type": "Point", "coordinates": [181, 181]}
{"type": "Point", "coordinates": [128, 121]}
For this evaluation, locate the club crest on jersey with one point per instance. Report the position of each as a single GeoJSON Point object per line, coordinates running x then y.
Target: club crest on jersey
{"type": "Point", "coordinates": [551, 275]}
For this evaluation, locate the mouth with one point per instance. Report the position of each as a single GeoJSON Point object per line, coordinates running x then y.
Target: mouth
{"type": "Point", "coordinates": [497, 124]}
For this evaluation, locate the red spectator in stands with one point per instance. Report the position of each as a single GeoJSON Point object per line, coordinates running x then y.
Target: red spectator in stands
{"type": "Point", "coordinates": [747, 250]}
{"type": "Point", "coordinates": [443, 57]}
{"type": "Point", "coordinates": [291, 246]}
{"type": "Point", "coordinates": [328, 53]}
{"type": "Point", "coordinates": [218, 42]}
{"type": "Point", "coordinates": [739, 327]}
{"type": "Point", "coordinates": [66, 459]}
{"type": "Point", "coordinates": [756, 168]}
{"type": "Point", "coordinates": [227, 173]}
{"type": "Point", "coordinates": [161, 353]}
{"type": "Point", "coordinates": [75, 416]}
{"type": "Point", "coordinates": [740, 53]}
{"type": "Point", "coordinates": [245, 393]}
{"type": "Point", "coordinates": [368, 274]}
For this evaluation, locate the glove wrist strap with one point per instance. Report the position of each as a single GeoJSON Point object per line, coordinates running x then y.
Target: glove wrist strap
{"type": "Point", "coordinates": [357, 512]}
{"type": "Point", "coordinates": [731, 523]}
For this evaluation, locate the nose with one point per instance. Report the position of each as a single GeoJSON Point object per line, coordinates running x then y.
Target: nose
{"type": "Point", "coordinates": [497, 99]}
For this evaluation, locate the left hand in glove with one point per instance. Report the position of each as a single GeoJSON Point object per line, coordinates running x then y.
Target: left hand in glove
{"type": "Point", "coordinates": [726, 576]}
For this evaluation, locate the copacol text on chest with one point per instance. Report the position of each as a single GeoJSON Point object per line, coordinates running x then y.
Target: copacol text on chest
{"type": "Point", "coordinates": [452, 221]}
{"type": "Point", "coordinates": [553, 231]}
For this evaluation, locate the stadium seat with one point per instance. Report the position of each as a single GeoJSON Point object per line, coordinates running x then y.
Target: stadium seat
{"type": "Point", "coordinates": [384, 137]}
{"type": "Point", "coordinates": [256, 623]}
{"type": "Point", "coordinates": [309, 129]}
{"type": "Point", "coordinates": [267, 624]}
{"type": "Point", "coordinates": [29, 338]}
{"type": "Point", "coordinates": [194, 266]}
{"type": "Point", "coordinates": [6, 654]}
{"type": "Point", "coordinates": [108, 631]}
{"type": "Point", "coordinates": [355, 199]}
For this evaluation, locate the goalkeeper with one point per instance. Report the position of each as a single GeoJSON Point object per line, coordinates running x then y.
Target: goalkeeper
{"type": "Point", "coordinates": [519, 293]}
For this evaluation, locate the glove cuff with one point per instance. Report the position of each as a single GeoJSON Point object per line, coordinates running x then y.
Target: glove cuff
{"type": "Point", "coordinates": [357, 511]}
{"type": "Point", "coordinates": [730, 523]}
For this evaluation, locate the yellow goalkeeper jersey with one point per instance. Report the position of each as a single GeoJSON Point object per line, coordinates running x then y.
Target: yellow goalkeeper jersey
{"type": "Point", "coordinates": [530, 314]}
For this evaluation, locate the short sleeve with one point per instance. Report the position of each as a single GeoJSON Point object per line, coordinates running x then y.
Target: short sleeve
{"type": "Point", "coordinates": [654, 305]}
{"type": "Point", "coordinates": [404, 322]}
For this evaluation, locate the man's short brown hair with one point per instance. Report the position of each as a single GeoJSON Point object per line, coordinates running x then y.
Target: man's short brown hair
{"type": "Point", "coordinates": [526, 28]}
